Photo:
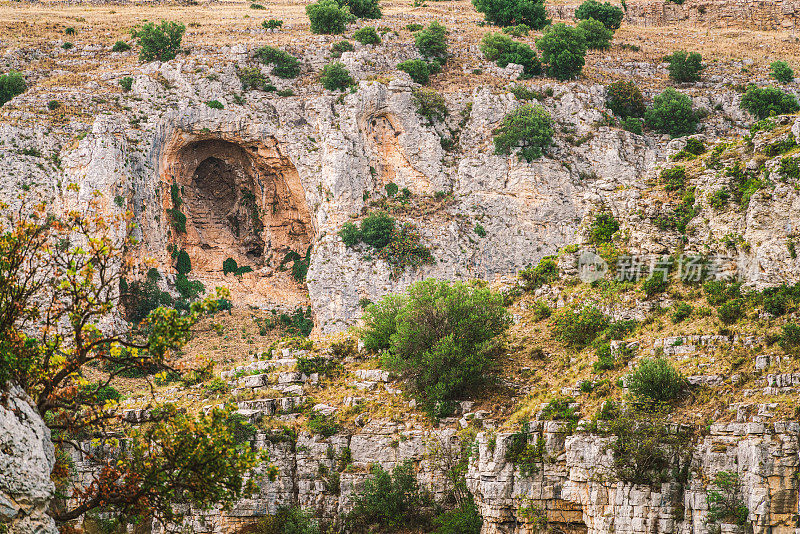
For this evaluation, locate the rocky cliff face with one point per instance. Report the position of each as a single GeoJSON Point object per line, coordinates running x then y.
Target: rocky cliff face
{"type": "Point", "coordinates": [26, 459]}
{"type": "Point", "coordinates": [272, 179]}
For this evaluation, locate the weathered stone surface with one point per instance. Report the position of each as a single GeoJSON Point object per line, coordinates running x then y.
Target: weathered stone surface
{"type": "Point", "coordinates": [26, 459]}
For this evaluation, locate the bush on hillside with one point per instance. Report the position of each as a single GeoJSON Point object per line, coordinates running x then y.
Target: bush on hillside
{"type": "Point", "coordinates": [609, 15]}
{"type": "Point", "coordinates": [271, 24]}
{"type": "Point", "coordinates": [11, 85]}
{"type": "Point", "coordinates": [656, 380]}
{"type": "Point", "coordinates": [362, 9]}
{"type": "Point", "coordinates": [532, 13]}
{"type": "Point", "coordinates": [162, 42]}
{"type": "Point", "coordinates": [674, 178]}
{"type": "Point", "coordinates": [338, 48]}
{"type": "Point", "coordinates": [328, 17]}
{"type": "Point", "coordinates": [685, 67]}
{"type": "Point", "coordinates": [285, 64]}
{"type": "Point", "coordinates": [432, 41]}
{"type": "Point", "coordinates": [335, 77]}
{"type": "Point", "coordinates": [442, 338]}
{"type": "Point", "coordinates": [392, 501]}
{"type": "Point", "coordinates": [529, 127]}
{"type": "Point", "coordinates": [503, 50]}
{"type": "Point", "coordinates": [768, 101]}
{"type": "Point", "coordinates": [429, 104]}
{"type": "Point", "coordinates": [603, 228]}
{"type": "Point", "coordinates": [183, 265]}
{"type": "Point", "coordinates": [597, 36]}
{"type": "Point", "coordinates": [563, 50]}
{"type": "Point", "coordinates": [671, 113]}
{"type": "Point", "coordinates": [578, 326]}
{"type": "Point", "coordinates": [120, 46]}
{"type": "Point", "coordinates": [782, 72]}
{"type": "Point", "coordinates": [367, 36]}
{"type": "Point", "coordinates": [417, 69]}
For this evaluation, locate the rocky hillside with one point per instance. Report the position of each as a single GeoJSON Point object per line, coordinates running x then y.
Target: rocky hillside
{"type": "Point", "coordinates": [237, 176]}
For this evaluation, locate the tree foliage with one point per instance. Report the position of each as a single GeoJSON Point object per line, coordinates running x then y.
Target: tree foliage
{"type": "Point", "coordinates": [328, 17]}
{"type": "Point", "coordinates": [336, 77]}
{"type": "Point", "coordinates": [684, 66]}
{"type": "Point", "coordinates": [625, 99]}
{"type": "Point", "coordinates": [532, 13]}
{"type": "Point", "coordinates": [11, 85]}
{"type": "Point", "coordinates": [765, 102]}
{"type": "Point", "coordinates": [529, 127]}
{"type": "Point", "coordinates": [597, 36]}
{"type": "Point", "coordinates": [563, 50]}
{"type": "Point", "coordinates": [60, 288]}
{"type": "Point", "coordinates": [609, 15]}
{"type": "Point", "coordinates": [672, 113]}
{"type": "Point", "coordinates": [162, 42]}
{"type": "Point", "coordinates": [503, 50]}
{"type": "Point", "coordinates": [432, 40]}
{"type": "Point", "coordinates": [442, 338]}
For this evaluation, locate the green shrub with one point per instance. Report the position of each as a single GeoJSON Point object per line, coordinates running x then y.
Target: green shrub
{"type": "Point", "coordinates": [685, 67]}
{"type": "Point", "coordinates": [790, 338]}
{"type": "Point", "coordinates": [288, 520]}
{"type": "Point", "coordinates": [120, 46]}
{"type": "Point", "coordinates": [317, 364]}
{"type": "Point", "coordinates": [335, 77]}
{"type": "Point", "coordinates": [67, 45]}
{"type": "Point", "coordinates": [609, 15]}
{"type": "Point", "coordinates": [789, 169]}
{"type": "Point", "coordinates": [643, 447]}
{"type": "Point", "coordinates": [432, 41]}
{"type": "Point", "coordinates": [350, 234]}
{"type": "Point", "coordinates": [674, 178]}
{"type": "Point", "coordinates": [441, 338]}
{"type": "Point", "coordinates": [656, 283]}
{"type": "Point", "coordinates": [139, 298]}
{"type": "Point", "coordinates": [328, 17]}
{"type": "Point", "coordinates": [251, 78]}
{"type": "Point", "coordinates": [183, 265]}
{"type": "Point", "coordinates": [417, 69]}
{"type": "Point", "coordinates": [625, 99]}
{"type": "Point", "coordinates": [525, 453]}
{"type": "Point", "coordinates": [782, 72]}
{"type": "Point", "coordinates": [723, 503]}
{"type": "Point", "coordinates": [271, 24]}
{"type": "Point", "coordinates": [69, 30]}
{"type": "Point", "coordinates": [596, 35]}
{"type": "Point", "coordinates": [578, 326]}
{"type": "Point", "coordinates": [719, 198]}
{"type": "Point", "coordinates": [680, 312]}
{"type": "Point", "coordinates": [391, 501]}
{"type": "Point", "coordinates": [768, 101]}
{"type": "Point", "coordinates": [671, 113]}
{"type": "Point", "coordinates": [656, 380]}
{"type": "Point", "coordinates": [503, 50]}
{"type": "Point", "coordinates": [11, 85]}
{"type": "Point", "coordinates": [215, 104]}
{"type": "Point", "coordinates": [285, 64]}
{"type": "Point", "coordinates": [563, 50]}
{"type": "Point", "coordinates": [603, 228]}
{"type": "Point", "coordinates": [462, 520]}
{"type": "Point", "coordinates": [363, 9]}
{"type": "Point", "coordinates": [529, 127]}
{"type": "Point", "coordinates": [730, 312]}
{"type": "Point", "coordinates": [229, 266]}
{"type": "Point", "coordinates": [367, 36]}
{"type": "Point", "coordinates": [391, 189]}
{"type": "Point", "coordinates": [605, 359]}
{"type": "Point", "coordinates": [561, 409]}
{"type": "Point", "coordinates": [339, 48]}
{"type": "Point", "coordinates": [377, 228]}
{"type": "Point", "coordinates": [545, 272]}
{"type": "Point", "coordinates": [324, 425]}
{"type": "Point", "coordinates": [162, 42]}
{"type": "Point", "coordinates": [519, 30]}
{"type": "Point", "coordinates": [257, 6]}
{"type": "Point", "coordinates": [632, 124]}
{"type": "Point", "coordinates": [532, 13]}
{"type": "Point", "coordinates": [719, 291]}
{"type": "Point", "coordinates": [429, 104]}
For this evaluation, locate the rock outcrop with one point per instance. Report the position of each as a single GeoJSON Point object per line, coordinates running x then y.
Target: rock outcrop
{"type": "Point", "coordinates": [26, 460]}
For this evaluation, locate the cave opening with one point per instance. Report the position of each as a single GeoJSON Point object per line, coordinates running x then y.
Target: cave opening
{"type": "Point", "coordinates": [242, 201]}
